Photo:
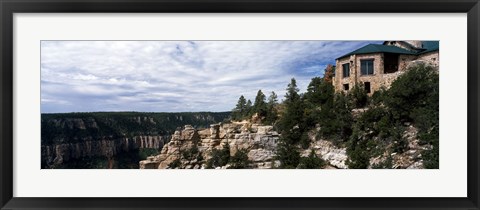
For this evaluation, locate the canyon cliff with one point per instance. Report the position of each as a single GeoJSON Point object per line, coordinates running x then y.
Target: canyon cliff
{"type": "Point", "coordinates": [99, 140]}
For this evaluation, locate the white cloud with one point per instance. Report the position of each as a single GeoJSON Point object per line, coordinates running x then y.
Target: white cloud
{"type": "Point", "coordinates": [175, 75]}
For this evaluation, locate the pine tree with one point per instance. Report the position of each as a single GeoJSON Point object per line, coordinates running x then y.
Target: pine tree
{"type": "Point", "coordinates": [291, 128]}
{"type": "Point", "coordinates": [292, 118]}
{"type": "Point", "coordinates": [260, 107]}
{"type": "Point", "coordinates": [248, 109]}
{"type": "Point", "coordinates": [271, 115]}
{"type": "Point", "coordinates": [240, 109]}
{"type": "Point", "coordinates": [272, 99]}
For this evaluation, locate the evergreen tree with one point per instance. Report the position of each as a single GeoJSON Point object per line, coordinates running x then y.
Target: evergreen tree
{"type": "Point", "coordinates": [271, 115]}
{"type": "Point", "coordinates": [293, 116]}
{"type": "Point", "coordinates": [357, 151]}
{"type": "Point", "coordinates": [358, 96]}
{"type": "Point", "coordinates": [272, 99]}
{"type": "Point", "coordinates": [288, 155]}
{"type": "Point", "coordinates": [291, 128]}
{"type": "Point", "coordinates": [248, 109]}
{"type": "Point", "coordinates": [318, 99]}
{"type": "Point", "coordinates": [240, 109]}
{"type": "Point", "coordinates": [260, 107]}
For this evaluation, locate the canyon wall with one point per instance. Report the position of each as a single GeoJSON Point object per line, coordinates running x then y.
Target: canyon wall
{"type": "Point", "coordinates": [68, 140]}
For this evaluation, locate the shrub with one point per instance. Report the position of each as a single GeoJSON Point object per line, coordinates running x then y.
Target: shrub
{"type": "Point", "coordinates": [220, 157]}
{"type": "Point", "coordinates": [358, 96]}
{"type": "Point", "coordinates": [357, 151]}
{"type": "Point", "coordinates": [240, 160]}
{"type": "Point", "coordinates": [190, 153]}
{"type": "Point", "coordinates": [311, 162]}
{"type": "Point", "coordinates": [336, 119]}
{"type": "Point", "coordinates": [288, 155]}
{"type": "Point", "coordinates": [305, 140]}
{"type": "Point", "coordinates": [417, 88]}
{"type": "Point", "coordinates": [175, 164]}
{"type": "Point", "coordinates": [378, 97]}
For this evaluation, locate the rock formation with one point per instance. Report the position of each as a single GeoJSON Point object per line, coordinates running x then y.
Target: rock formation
{"type": "Point", "coordinates": [260, 142]}
{"type": "Point", "coordinates": [411, 158]}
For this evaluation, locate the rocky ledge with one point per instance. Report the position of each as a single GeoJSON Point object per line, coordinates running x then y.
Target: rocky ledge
{"type": "Point", "coordinates": [191, 147]}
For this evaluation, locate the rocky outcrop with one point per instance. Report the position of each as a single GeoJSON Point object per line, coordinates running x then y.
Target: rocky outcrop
{"type": "Point", "coordinates": [411, 158]}
{"type": "Point", "coordinates": [333, 155]}
{"type": "Point", "coordinates": [260, 142]}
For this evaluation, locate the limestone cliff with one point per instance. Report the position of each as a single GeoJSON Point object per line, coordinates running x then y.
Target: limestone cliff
{"type": "Point", "coordinates": [259, 141]}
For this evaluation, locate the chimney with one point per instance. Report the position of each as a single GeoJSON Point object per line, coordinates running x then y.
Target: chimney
{"type": "Point", "coordinates": [417, 44]}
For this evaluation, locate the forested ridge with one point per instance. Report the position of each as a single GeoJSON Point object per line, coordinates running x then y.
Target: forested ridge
{"type": "Point", "coordinates": [56, 129]}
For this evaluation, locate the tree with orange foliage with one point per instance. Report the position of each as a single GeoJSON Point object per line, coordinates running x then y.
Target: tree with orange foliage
{"type": "Point", "coordinates": [329, 73]}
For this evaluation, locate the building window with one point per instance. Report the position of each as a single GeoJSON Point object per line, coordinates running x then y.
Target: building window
{"type": "Point", "coordinates": [346, 87]}
{"type": "Point", "coordinates": [366, 67]}
{"type": "Point", "coordinates": [346, 70]}
{"type": "Point", "coordinates": [367, 87]}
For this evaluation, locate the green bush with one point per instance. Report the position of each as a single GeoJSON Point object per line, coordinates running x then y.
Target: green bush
{"type": "Point", "coordinates": [357, 151]}
{"type": "Point", "coordinates": [220, 157]}
{"type": "Point", "coordinates": [191, 153]}
{"type": "Point", "coordinates": [175, 164]}
{"type": "Point", "coordinates": [288, 155]}
{"type": "Point", "coordinates": [378, 97]}
{"type": "Point", "coordinates": [311, 162]}
{"type": "Point", "coordinates": [358, 96]}
{"type": "Point", "coordinates": [415, 89]}
{"type": "Point", "coordinates": [336, 119]}
{"type": "Point", "coordinates": [240, 160]}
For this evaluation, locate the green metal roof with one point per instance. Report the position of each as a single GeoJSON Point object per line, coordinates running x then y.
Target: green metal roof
{"type": "Point", "coordinates": [428, 46]}
{"type": "Point", "coordinates": [379, 48]}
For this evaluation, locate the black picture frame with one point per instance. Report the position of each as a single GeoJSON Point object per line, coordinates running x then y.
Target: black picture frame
{"type": "Point", "coordinates": [9, 7]}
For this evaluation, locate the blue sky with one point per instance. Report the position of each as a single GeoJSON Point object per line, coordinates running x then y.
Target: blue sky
{"type": "Point", "coordinates": [176, 76]}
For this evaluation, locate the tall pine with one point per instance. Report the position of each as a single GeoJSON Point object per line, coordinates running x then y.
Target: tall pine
{"type": "Point", "coordinates": [240, 109]}
{"type": "Point", "coordinates": [290, 126]}
{"type": "Point", "coordinates": [260, 106]}
{"type": "Point", "coordinates": [271, 115]}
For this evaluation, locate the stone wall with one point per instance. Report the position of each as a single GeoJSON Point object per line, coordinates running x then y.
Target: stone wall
{"type": "Point", "coordinates": [355, 72]}
{"type": "Point", "coordinates": [404, 60]}
{"type": "Point", "coordinates": [378, 79]}
{"type": "Point", "coordinates": [431, 58]}
{"type": "Point", "coordinates": [339, 80]}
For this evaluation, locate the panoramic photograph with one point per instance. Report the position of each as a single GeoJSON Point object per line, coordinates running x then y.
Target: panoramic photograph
{"type": "Point", "coordinates": [240, 104]}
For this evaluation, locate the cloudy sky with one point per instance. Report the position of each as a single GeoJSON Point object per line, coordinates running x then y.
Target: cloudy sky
{"type": "Point", "coordinates": [175, 76]}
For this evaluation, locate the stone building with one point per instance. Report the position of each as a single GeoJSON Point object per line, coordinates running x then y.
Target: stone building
{"type": "Point", "coordinates": [378, 65]}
